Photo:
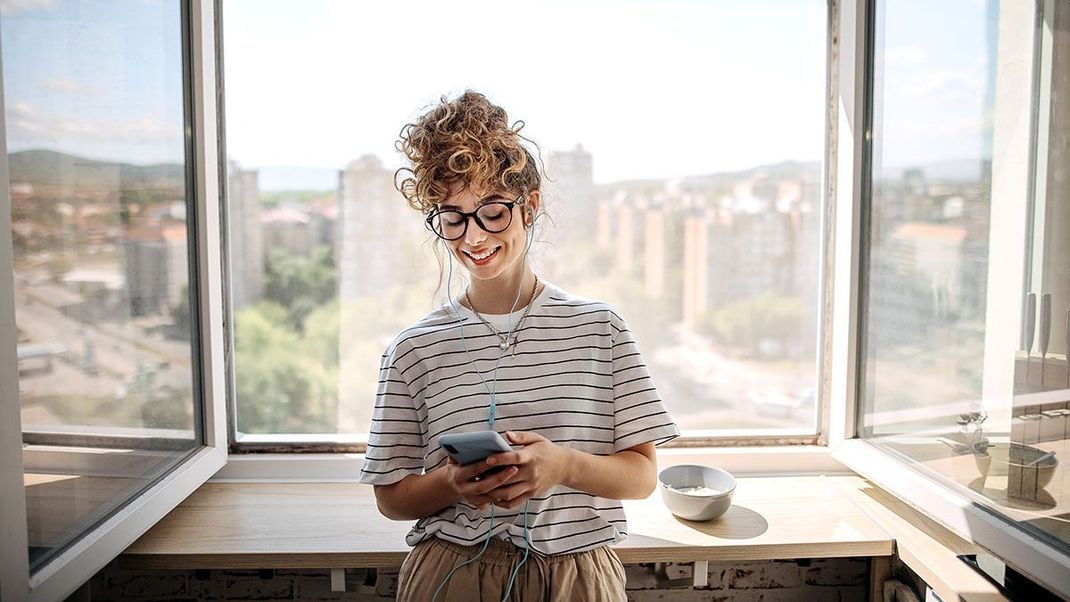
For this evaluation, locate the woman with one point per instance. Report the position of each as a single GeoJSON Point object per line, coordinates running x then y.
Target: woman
{"type": "Point", "coordinates": [559, 375]}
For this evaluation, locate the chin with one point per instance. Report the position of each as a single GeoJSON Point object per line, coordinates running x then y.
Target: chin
{"type": "Point", "coordinates": [482, 273]}
{"type": "Point", "coordinates": [491, 271]}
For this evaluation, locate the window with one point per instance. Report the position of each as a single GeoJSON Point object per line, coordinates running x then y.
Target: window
{"type": "Point", "coordinates": [115, 418]}
{"type": "Point", "coordinates": [966, 332]}
{"type": "Point", "coordinates": [686, 190]}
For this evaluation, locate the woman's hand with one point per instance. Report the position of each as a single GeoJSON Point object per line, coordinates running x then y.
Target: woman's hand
{"type": "Point", "coordinates": [470, 486]}
{"type": "Point", "coordinates": [541, 463]}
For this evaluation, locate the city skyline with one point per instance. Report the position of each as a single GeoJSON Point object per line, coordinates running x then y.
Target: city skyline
{"type": "Point", "coordinates": [642, 223]}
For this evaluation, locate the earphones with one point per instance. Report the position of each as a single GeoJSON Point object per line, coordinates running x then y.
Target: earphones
{"type": "Point", "coordinates": [529, 222]}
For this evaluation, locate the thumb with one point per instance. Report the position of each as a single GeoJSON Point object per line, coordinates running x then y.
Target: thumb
{"type": "Point", "coordinates": [523, 437]}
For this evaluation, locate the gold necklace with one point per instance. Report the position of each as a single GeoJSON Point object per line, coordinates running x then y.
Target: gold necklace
{"type": "Point", "coordinates": [503, 339]}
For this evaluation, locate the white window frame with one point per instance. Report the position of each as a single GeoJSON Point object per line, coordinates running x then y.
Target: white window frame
{"type": "Point", "coordinates": [923, 489]}
{"type": "Point", "coordinates": [72, 567]}
{"type": "Point", "coordinates": [248, 450]}
{"type": "Point", "coordinates": [744, 455]}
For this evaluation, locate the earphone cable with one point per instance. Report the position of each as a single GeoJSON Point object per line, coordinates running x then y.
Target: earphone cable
{"type": "Point", "coordinates": [491, 409]}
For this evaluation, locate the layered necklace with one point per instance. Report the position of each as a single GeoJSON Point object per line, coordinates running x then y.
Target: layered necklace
{"type": "Point", "coordinates": [503, 337]}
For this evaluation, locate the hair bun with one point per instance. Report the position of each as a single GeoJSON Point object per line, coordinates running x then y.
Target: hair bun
{"type": "Point", "coordinates": [469, 140]}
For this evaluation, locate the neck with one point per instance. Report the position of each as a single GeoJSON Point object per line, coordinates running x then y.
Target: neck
{"type": "Point", "coordinates": [497, 296]}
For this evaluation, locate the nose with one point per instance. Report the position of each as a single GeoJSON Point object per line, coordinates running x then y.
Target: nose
{"type": "Point", "coordinates": [473, 234]}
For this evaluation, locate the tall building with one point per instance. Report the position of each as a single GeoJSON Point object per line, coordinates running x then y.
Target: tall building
{"type": "Point", "coordinates": [654, 253]}
{"type": "Point", "coordinates": [155, 268]}
{"type": "Point", "coordinates": [604, 227]}
{"type": "Point", "coordinates": [625, 255]}
{"type": "Point", "coordinates": [568, 190]}
{"type": "Point", "coordinates": [375, 230]}
{"type": "Point", "coordinates": [371, 217]}
{"type": "Point", "coordinates": [695, 296]}
{"type": "Point", "coordinates": [245, 235]}
{"type": "Point", "coordinates": [289, 228]}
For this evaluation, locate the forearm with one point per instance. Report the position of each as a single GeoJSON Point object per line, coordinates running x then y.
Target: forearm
{"type": "Point", "coordinates": [625, 475]}
{"type": "Point", "coordinates": [416, 496]}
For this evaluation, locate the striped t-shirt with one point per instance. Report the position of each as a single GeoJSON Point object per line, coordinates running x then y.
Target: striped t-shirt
{"type": "Point", "coordinates": [576, 378]}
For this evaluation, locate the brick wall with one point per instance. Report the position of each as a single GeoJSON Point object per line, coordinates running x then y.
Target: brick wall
{"type": "Point", "coordinates": [835, 580]}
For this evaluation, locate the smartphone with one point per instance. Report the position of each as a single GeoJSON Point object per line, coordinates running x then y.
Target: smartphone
{"type": "Point", "coordinates": [467, 448]}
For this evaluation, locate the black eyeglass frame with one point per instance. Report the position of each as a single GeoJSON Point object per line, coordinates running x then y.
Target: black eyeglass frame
{"type": "Point", "coordinates": [474, 215]}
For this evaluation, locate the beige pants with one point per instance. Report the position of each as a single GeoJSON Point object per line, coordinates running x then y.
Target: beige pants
{"type": "Point", "coordinates": [594, 575]}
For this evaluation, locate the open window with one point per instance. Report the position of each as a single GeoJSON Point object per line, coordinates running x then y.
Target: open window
{"type": "Point", "coordinates": [110, 299]}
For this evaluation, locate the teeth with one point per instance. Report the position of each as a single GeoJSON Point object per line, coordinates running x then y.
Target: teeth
{"type": "Point", "coordinates": [482, 256]}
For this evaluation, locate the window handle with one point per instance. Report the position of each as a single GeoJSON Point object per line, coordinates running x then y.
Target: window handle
{"type": "Point", "coordinates": [1030, 323]}
{"type": "Point", "coordinates": [1045, 332]}
{"type": "Point", "coordinates": [1045, 323]}
{"type": "Point", "coordinates": [1066, 346]}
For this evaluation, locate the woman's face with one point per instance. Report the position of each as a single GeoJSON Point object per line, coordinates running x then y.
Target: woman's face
{"type": "Point", "coordinates": [489, 255]}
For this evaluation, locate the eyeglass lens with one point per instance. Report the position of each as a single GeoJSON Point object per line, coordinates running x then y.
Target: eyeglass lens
{"type": "Point", "coordinates": [492, 217]}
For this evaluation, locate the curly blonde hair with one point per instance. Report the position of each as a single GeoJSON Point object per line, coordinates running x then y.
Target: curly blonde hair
{"type": "Point", "coordinates": [467, 140]}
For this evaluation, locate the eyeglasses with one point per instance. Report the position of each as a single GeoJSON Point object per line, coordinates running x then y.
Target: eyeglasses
{"type": "Point", "coordinates": [492, 216]}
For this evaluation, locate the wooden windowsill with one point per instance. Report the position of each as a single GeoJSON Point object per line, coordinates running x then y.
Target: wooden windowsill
{"type": "Point", "coordinates": [329, 525]}
{"type": "Point", "coordinates": [337, 525]}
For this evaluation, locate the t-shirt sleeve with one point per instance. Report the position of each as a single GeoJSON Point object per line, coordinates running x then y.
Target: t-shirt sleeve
{"type": "Point", "coordinates": [396, 439]}
{"type": "Point", "coordinates": [638, 413]}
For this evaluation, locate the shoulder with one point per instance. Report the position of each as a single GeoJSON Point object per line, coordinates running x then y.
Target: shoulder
{"type": "Point", "coordinates": [560, 302]}
{"type": "Point", "coordinates": [442, 319]}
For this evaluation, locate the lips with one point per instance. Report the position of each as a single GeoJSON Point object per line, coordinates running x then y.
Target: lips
{"type": "Point", "coordinates": [482, 257]}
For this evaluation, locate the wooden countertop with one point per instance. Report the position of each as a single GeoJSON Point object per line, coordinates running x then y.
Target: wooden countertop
{"type": "Point", "coordinates": [337, 525]}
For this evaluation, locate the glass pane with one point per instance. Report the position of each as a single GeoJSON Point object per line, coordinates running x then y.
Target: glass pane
{"type": "Point", "coordinates": [966, 330]}
{"type": "Point", "coordinates": [95, 106]}
{"type": "Point", "coordinates": [690, 200]}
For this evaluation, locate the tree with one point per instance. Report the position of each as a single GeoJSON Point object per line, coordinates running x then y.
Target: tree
{"type": "Point", "coordinates": [300, 283]}
{"type": "Point", "coordinates": [757, 324]}
{"type": "Point", "coordinates": [285, 381]}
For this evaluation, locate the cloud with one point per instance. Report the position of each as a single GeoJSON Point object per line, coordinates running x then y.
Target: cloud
{"type": "Point", "coordinates": [905, 56]}
{"type": "Point", "coordinates": [29, 126]}
{"type": "Point", "coordinates": [24, 121]}
{"type": "Point", "coordinates": [68, 85]}
{"type": "Point", "coordinates": [13, 7]}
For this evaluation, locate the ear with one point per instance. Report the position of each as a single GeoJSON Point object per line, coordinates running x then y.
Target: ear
{"type": "Point", "coordinates": [534, 199]}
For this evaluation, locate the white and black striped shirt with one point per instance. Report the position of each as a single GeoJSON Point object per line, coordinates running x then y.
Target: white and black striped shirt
{"type": "Point", "coordinates": [576, 378]}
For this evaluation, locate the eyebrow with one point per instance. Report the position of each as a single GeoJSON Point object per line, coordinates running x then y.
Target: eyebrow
{"type": "Point", "coordinates": [482, 201]}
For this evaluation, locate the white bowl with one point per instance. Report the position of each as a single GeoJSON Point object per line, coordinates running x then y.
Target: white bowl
{"type": "Point", "coordinates": [696, 492]}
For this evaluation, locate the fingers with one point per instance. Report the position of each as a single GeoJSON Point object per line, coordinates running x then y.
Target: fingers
{"type": "Point", "coordinates": [510, 493]}
{"type": "Point", "coordinates": [504, 496]}
{"type": "Point", "coordinates": [481, 501]}
{"type": "Point", "coordinates": [523, 437]}
{"type": "Point", "coordinates": [475, 488]}
{"type": "Point", "coordinates": [513, 457]}
{"type": "Point", "coordinates": [470, 471]}
{"type": "Point", "coordinates": [498, 479]}
{"type": "Point", "coordinates": [514, 502]}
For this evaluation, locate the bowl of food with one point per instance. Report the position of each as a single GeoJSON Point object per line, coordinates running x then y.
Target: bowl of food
{"type": "Point", "coordinates": [696, 492]}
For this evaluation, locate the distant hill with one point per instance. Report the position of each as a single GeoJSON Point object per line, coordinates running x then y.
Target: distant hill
{"type": "Point", "coordinates": [46, 168]}
{"type": "Point", "coordinates": [785, 169]}
{"type": "Point", "coordinates": [288, 178]}
{"type": "Point", "coordinates": [952, 170]}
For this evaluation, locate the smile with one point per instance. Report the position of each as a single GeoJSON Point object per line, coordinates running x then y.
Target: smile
{"type": "Point", "coordinates": [482, 257]}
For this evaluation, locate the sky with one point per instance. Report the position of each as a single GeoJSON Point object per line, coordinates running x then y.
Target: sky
{"type": "Point", "coordinates": [101, 79]}
{"type": "Point", "coordinates": [652, 88]}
